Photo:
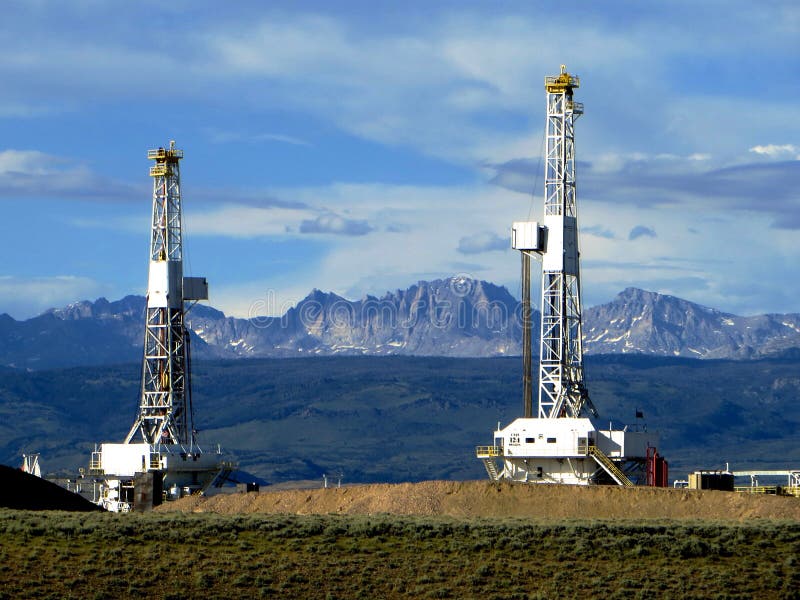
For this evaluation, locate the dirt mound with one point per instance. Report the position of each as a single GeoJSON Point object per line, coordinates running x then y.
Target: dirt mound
{"type": "Point", "coordinates": [25, 491]}
{"type": "Point", "coordinates": [501, 499]}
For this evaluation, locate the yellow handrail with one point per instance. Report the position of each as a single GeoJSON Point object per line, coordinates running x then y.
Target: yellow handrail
{"type": "Point", "coordinates": [758, 489]}
{"type": "Point", "coordinates": [160, 170]}
{"type": "Point", "coordinates": [610, 466]}
{"type": "Point", "coordinates": [96, 462]}
{"type": "Point", "coordinates": [488, 451]}
{"type": "Point", "coordinates": [164, 153]}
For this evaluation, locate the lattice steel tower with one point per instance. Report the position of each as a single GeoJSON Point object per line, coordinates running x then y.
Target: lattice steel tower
{"type": "Point", "coordinates": [160, 458]}
{"type": "Point", "coordinates": [560, 442]}
{"type": "Point", "coordinates": [165, 410]}
{"type": "Point", "coordinates": [562, 392]}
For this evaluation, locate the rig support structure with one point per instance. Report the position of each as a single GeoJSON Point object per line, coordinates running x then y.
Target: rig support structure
{"type": "Point", "coordinates": [562, 391]}
{"type": "Point", "coordinates": [165, 412]}
{"type": "Point", "coordinates": [160, 457]}
{"type": "Point", "coordinates": [562, 444]}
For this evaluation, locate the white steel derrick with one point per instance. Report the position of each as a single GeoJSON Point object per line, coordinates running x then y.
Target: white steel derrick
{"type": "Point", "coordinates": [562, 392]}
{"type": "Point", "coordinates": [559, 442]}
{"type": "Point", "coordinates": [165, 240]}
{"type": "Point", "coordinates": [164, 415]}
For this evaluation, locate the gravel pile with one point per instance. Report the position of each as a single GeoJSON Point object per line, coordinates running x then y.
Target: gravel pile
{"type": "Point", "coordinates": [491, 499]}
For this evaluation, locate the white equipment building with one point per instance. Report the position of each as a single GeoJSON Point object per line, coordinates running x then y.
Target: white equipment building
{"type": "Point", "coordinates": [160, 457]}
{"type": "Point", "coordinates": [562, 443]}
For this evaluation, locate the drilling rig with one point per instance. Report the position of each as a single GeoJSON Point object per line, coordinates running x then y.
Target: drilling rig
{"type": "Point", "coordinates": [562, 443]}
{"type": "Point", "coordinates": [160, 457]}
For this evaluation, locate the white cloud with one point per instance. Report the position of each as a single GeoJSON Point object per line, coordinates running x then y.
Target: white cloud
{"type": "Point", "coordinates": [467, 87]}
{"type": "Point", "coordinates": [620, 162]}
{"type": "Point", "coordinates": [235, 137]}
{"type": "Point", "coordinates": [698, 251]}
{"type": "Point", "coordinates": [699, 265]}
{"type": "Point", "coordinates": [23, 298]}
{"type": "Point", "coordinates": [238, 221]}
{"type": "Point", "coordinates": [416, 237]}
{"type": "Point", "coordinates": [641, 231]}
{"type": "Point", "coordinates": [336, 225]}
{"type": "Point", "coordinates": [485, 241]}
{"type": "Point", "coordinates": [430, 90]}
{"type": "Point", "coordinates": [598, 231]}
{"type": "Point", "coordinates": [775, 150]}
{"type": "Point", "coordinates": [722, 126]}
{"type": "Point", "coordinates": [707, 256]}
{"type": "Point", "coordinates": [428, 84]}
{"type": "Point", "coordinates": [28, 162]}
{"type": "Point", "coordinates": [267, 298]}
{"type": "Point", "coordinates": [30, 173]}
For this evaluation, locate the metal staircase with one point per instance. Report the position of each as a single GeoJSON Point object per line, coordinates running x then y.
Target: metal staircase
{"type": "Point", "coordinates": [487, 454]}
{"type": "Point", "coordinates": [609, 467]}
{"type": "Point", "coordinates": [491, 469]}
{"type": "Point", "coordinates": [225, 470]}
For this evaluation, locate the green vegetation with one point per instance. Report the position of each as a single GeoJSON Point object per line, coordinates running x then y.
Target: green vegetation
{"type": "Point", "coordinates": [68, 555]}
{"type": "Point", "coordinates": [289, 419]}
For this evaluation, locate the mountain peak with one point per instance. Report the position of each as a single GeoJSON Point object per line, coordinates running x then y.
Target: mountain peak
{"type": "Point", "coordinates": [639, 321]}
{"type": "Point", "coordinates": [453, 316]}
{"type": "Point", "coordinates": [632, 295]}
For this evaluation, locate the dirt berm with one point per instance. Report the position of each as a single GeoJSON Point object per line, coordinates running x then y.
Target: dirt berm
{"type": "Point", "coordinates": [25, 491]}
{"type": "Point", "coordinates": [490, 499]}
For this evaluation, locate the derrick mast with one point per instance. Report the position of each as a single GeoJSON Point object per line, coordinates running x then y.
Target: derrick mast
{"type": "Point", "coordinates": [165, 415]}
{"type": "Point", "coordinates": [560, 443]}
{"type": "Point", "coordinates": [160, 457]}
{"type": "Point", "coordinates": [562, 392]}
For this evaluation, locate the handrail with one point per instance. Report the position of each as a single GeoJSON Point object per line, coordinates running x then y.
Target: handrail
{"type": "Point", "coordinates": [160, 170]}
{"type": "Point", "coordinates": [609, 466]}
{"type": "Point", "coordinates": [491, 469]}
{"type": "Point", "coordinates": [164, 153]}
{"type": "Point", "coordinates": [96, 462]}
{"type": "Point", "coordinates": [561, 81]}
{"type": "Point", "coordinates": [488, 451]}
{"type": "Point", "coordinates": [155, 460]}
{"type": "Point", "coordinates": [575, 107]}
{"type": "Point", "coordinates": [757, 489]}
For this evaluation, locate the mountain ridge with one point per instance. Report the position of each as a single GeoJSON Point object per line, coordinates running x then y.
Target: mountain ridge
{"type": "Point", "coordinates": [456, 316]}
{"type": "Point", "coordinates": [651, 323]}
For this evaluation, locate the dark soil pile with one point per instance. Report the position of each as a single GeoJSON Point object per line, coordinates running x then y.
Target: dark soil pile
{"type": "Point", "coordinates": [25, 491]}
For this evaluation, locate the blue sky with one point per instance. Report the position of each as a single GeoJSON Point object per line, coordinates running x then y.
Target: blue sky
{"type": "Point", "coordinates": [358, 147]}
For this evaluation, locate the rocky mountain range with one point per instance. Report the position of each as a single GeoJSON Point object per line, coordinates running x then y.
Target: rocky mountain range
{"type": "Point", "coordinates": [447, 317]}
{"type": "Point", "coordinates": [642, 322]}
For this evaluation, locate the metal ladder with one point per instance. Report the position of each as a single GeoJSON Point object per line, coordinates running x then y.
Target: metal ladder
{"type": "Point", "coordinates": [491, 469]}
{"type": "Point", "coordinates": [609, 467]}
{"type": "Point", "coordinates": [226, 468]}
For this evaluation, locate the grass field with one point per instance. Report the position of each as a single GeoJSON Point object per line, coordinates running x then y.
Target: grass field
{"type": "Point", "coordinates": [176, 555]}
